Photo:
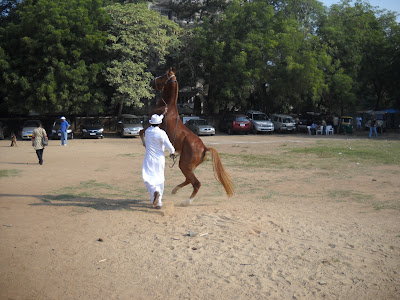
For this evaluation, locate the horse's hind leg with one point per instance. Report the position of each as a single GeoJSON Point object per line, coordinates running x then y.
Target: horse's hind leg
{"type": "Point", "coordinates": [192, 155]}
{"type": "Point", "coordinates": [190, 178]}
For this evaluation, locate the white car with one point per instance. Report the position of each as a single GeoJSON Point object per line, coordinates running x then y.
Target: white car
{"type": "Point", "coordinates": [28, 128]}
{"type": "Point", "coordinates": [129, 126]}
{"type": "Point", "coordinates": [260, 122]}
{"type": "Point", "coordinates": [200, 127]}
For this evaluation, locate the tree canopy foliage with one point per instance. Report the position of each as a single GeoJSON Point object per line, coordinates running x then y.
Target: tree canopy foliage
{"type": "Point", "coordinates": [294, 55]}
{"type": "Point", "coordinates": [51, 56]}
{"type": "Point", "coordinates": [92, 56]}
{"type": "Point", "coordinates": [138, 41]}
{"type": "Point", "coordinates": [366, 43]}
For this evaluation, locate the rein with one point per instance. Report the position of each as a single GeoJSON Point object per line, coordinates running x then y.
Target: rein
{"type": "Point", "coordinates": [174, 159]}
{"type": "Point", "coordinates": [173, 142]}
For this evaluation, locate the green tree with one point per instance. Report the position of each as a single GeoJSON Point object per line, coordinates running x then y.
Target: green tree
{"type": "Point", "coordinates": [394, 68]}
{"type": "Point", "coordinates": [259, 55]}
{"type": "Point", "coordinates": [195, 11]}
{"type": "Point", "coordinates": [339, 96]}
{"type": "Point", "coordinates": [235, 53]}
{"type": "Point", "coordinates": [381, 50]}
{"type": "Point", "coordinates": [139, 40]}
{"type": "Point", "coordinates": [306, 13]}
{"type": "Point", "coordinates": [7, 7]}
{"type": "Point", "coordinates": [365, 43]}
{"type": "Point", "coordinates": [298, 80]}
{"type": "Point", "coordinates": [51, 60]}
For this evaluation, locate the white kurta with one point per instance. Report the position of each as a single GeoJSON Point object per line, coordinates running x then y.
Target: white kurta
{"type": "Point", "coordinates": [154, 161]}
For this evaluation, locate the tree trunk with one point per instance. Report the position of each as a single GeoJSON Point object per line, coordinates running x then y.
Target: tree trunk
{"type": "Point", "coordinates": [121, 105]}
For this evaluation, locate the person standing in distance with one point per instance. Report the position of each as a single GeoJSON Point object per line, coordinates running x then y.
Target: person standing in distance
{"type": "Point", "coordinates": [359, 122]}
{"type": "Point", "coordinates": [372, 128]}
{"type": "Point", "coordinates": [323, 129]}
{"type": "Point", "coordinates": [64, 131]}
{"type": "Point", "coordinates": [336, 124]}
{"type": "Point", "coordinates": [154, 161]}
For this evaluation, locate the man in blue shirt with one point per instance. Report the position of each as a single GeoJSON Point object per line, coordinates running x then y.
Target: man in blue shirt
{"type": "Point", "coordinates": [314, 128]}
{"type": "Point", "coordinates": [64, 131]}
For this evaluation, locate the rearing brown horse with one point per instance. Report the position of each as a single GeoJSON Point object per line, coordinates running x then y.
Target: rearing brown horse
{"type": "Point", "coordinates": [189, 146]}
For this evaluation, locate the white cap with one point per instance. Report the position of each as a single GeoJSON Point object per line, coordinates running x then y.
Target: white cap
{"type": "Point", "coordinates": [156, 119]}
{"type": "Point", "coordinates": [62, 118]}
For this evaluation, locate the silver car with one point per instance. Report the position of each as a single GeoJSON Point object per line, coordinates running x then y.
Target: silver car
{"type": "Point", "coordinates": [260, 122]}
{"type": "Point", "coordinates": [129, 125]}
{"type": "Point", "coordinates": [28, 128]}
{"type": "Point", "coordinates": [200, 127]}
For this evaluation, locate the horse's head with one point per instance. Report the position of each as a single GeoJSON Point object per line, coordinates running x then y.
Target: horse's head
{"type": "Point", "coordinates": [160, 82]}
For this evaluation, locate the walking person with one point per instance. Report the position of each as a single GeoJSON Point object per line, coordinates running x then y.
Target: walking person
{"type": "Point", "coordinates": [372, 128]}
{"type": "Point", "coordinates": [37, 142]}
{"type": "Point", "coordinates": [154, 161]}
{"type": "Point", "coordinates": [64, 131]}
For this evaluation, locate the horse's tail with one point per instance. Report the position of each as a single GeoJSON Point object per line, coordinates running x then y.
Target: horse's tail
{"type": "Point", "coordinates": [220, 174]}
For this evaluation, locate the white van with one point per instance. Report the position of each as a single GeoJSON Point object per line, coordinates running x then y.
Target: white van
{"type": "Point", "coordinates": [283, 123]}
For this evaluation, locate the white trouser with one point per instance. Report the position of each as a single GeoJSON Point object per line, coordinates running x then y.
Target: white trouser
{"type": "Point", "coordinates": [155, 188]}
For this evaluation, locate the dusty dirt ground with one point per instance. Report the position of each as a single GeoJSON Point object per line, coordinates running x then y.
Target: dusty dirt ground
{"type": "Point", "coordinates": [81, 226]}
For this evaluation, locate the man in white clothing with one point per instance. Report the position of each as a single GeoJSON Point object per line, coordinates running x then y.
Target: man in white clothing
{"type": "Point", "coordinates": [154, 161]}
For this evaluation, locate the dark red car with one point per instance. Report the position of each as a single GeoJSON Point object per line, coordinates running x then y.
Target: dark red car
{"type": "Point", "coordinates": [235, 123]}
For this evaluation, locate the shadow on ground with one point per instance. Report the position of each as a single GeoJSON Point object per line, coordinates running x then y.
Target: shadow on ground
{"type": "Point", "coordinates": [97, 203]}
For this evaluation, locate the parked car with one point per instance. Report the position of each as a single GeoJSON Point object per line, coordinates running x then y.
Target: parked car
{"type": "Point", "coordinates": [306, 119]}
{"type": "Point", "coordinates": [185, 119]}
{"type": "Point", "coordinates": [283, 123]}
{"type": "Point", "coordinates": [56, 130]}
{"type": "Point", "coordinates": [235, 123]}
{"type": "Point", "coordinates": [129, 125]}
{"type": "Point", "coordinates": [259, 121]}
{"type": "Point", "coordinates": [1, 131]}
{"type": "Point", "coordinates": [380, 117]}
{"type": "Point", "coordinates": [28, 127]}
{"type": "Point", "coordinates": [92, 128]}
{"type": "Point", "coordinates": [4, 131]}
{"type": "Point", "coordinates": [200, 127]}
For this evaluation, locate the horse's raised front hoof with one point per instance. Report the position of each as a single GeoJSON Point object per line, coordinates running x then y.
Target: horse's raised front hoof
{"type": "Point", "coordinates": [187, 202]}
{"type": "Point", "coordinates": [175, 190]}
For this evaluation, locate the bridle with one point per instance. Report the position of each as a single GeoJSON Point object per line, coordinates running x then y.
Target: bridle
{"type": "Point", "coordinates": [168, 81]}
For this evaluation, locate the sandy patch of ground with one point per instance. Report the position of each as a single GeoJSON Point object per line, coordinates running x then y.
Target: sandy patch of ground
{"type": "Point", "coordinates": [81, 227]}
